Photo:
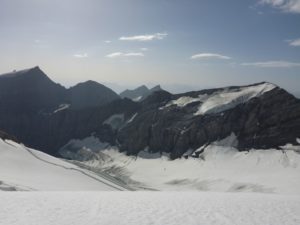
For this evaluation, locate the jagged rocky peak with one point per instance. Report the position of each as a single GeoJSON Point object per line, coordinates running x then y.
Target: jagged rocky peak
{"type": "Point", "coordinates": [156, 88]}
{"type": "Point", "coordinates": [140, 93]}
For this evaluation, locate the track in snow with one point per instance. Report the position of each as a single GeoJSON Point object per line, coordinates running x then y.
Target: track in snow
{"type": "Point", "coordinates": [80, 171]}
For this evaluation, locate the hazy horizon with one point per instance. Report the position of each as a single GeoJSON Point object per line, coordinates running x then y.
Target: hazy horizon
{"type": "Point", "coordinates": [181, 45]}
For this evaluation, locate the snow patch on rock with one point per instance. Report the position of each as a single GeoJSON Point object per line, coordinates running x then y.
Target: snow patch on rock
{"type": "Point", "coordinates": [222, 100]}
{"type": "Point", "coordinates": [62, 107]}
{"type": "Point", "coordinates": [182, 101]}
{"type": "Point", "coordinates": [116, 121]}
{"type": "Point", "coordinates": [230, 141]}
{"type": "Point", "coordinates": [227, 99]}
{"type": "Point", "coordinates": [132, 118]}
{"type": "Point", "coordinates": [137, 99]}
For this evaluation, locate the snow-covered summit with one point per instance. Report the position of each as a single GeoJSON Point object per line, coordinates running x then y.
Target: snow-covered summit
{"type": "Point", "coordinates": [223, 99]}
{"type": "Point", "coordinates": [228, 99]}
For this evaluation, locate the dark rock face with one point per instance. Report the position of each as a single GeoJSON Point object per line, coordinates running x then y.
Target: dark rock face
{"type": "Point", "coordinates": [269, 121]}
{"type": "Point", "coordinates": [50, 132]}
{"type": "Point", "coordinates": [29, 102]}
{"type": "Point", "coordinates": [90, 94]}
{"type": "Point", "coordinates": [5, 136]}
{"type": "Point", "coordinates": [139, 93]}
{"type": "Point", "coordinates": [29, 91]}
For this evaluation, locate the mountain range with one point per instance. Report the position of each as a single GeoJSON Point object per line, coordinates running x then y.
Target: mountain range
{"type": "Point", "coordinates": [140, 93]}
{"type": "Point", "coordinates": [45, 115]}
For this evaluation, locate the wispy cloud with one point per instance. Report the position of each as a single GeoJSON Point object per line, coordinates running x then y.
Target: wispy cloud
{"type": "Point", "coordinates": [107, 41]}
{"type": "Point", "coordinates": [273, 64]}
{"type": "Point", "coordinates": [209, 56]}
{"type": "Point", "coordinates": [145, 37]}
{"type": "Point", "coordinates": [295, 43]}
{"type": "Point", "coordinates": [292, 6]}
{"type": "Point", "coordinates": [122, 54]}
{"type": "Point", "coordinates": [41, 43]}
{"type": "Point", "coordinates": [144, 49]}
{"type": "Point", "coordinates": [84, 55]}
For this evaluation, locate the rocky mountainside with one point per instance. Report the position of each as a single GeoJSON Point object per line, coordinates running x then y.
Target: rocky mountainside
{"type": "Point", "coordinates": [90, 94]}
{"type": "Point", "coordinates": [29, 91]}
{"type": "Point", "coordinates": [139, 93]}
{"type": "Point", "coordinates": [5, 136]}
{"type": "Point", "coordinates": [33, 107]}
{"type": "Point", "coordinates": [260, 116]}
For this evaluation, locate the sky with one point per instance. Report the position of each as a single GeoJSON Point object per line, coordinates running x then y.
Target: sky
{"type": "Point", "coordinates": [180, 44]}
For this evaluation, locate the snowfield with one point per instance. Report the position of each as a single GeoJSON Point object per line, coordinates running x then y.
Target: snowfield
{"type": "Point", "coordinates": [222, 187]}
{"type": "Point", "coordinates": [220, 101]}
{"type": "Point", "coordinates": [22, 168]}
{"type": "Point", "coordinates": [220, 168]}
{"type": "Point", "coordinates": [136, 208]}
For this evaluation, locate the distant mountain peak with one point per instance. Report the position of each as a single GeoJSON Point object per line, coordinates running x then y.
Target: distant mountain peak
{"type": "Point", "coordinates": [90, 93]}
{"type": "Point", "coordinates": [139, 93]}
{"type": "Point", "coordinates": [156, 88]}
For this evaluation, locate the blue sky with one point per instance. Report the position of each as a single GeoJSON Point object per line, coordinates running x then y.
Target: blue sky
{"type": "Point", "coordinates": [180, 44]}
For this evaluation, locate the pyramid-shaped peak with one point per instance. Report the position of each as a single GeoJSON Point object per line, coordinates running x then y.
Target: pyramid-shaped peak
{"type": "Point", "coordinates": [34, 71]}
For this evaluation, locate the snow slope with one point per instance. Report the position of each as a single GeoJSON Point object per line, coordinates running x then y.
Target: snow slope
{"type": "Point", "coordinates": [219, 168]}
{"type": "Point", "coordinates": [224, 99]}
{"type": "Point", "coordinates": [22, 168]}
{"type": "Point", "coordinates": [155, 208]}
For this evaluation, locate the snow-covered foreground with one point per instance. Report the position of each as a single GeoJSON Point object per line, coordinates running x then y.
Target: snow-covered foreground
{"type": "Point", "coordinates": [136, 208]}
{"type": "Point", "coordinates": [22, 168]}
{"type": "Point", "coordinates": [219, 168]}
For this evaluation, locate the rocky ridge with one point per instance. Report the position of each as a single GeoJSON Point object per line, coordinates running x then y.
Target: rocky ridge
{"type": "Point", "coordinates": [260, 116]}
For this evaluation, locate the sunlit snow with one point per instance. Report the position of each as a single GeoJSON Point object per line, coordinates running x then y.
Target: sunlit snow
{"type": "Point", "coordinates": [222, 100]}
{"type": "Point", "coordinates": [22, 168]}
{"type": "Point", "coordinates": [155, 208]}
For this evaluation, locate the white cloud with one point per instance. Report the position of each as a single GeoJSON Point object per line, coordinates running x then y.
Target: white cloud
{"type": "Point", "coordinates": [134, 54]}
{"type": "Point", "coordinates": [292, 6]}
{"type": "Point", "coordinates": [295, 43]}
{"type": "Point", "coordinates": [209, 56]}
{"type": "Point", "coordinates": [145, 37]}
{"type": "Point", "coordinates": [84, 55]}
{"type": "Point", "coordinates": [107, 41]}
{"type": "Point", "coordinates": [273, 64]}
{"type": "Point", "coordinates": [122, 54]}
{"type": "Point", "coordinates": [144, 49]}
